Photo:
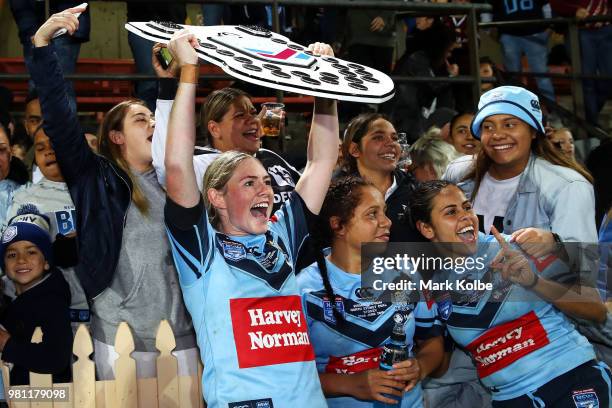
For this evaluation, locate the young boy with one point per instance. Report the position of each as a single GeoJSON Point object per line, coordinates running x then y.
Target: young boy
{"type": "Point", "coordinates": [43, 299]}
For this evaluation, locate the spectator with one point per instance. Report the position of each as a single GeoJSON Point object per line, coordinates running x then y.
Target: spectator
{"type": "Point", "coordinates": [32, 119]}
{"type": "Point", "coordinates": [461, 135]}
{"type": "Point", "coordinates": [563, 140]}
{"type": "Point", "coordinates": [50, 196]}
{"type": "Point", "coordinates": [430, 155]}
{"type": "Point", "coordinates": [510, 162]}
{"type": "Point", "coordinates": [596, 50]}
{"type": "Point", "coordinates": [141, 48]}
{"type": "Point", "coordinates": [8, 185]}
{"type": "Point", "coordinates": [123, 260]}
{"type": "Point", "coordinates": [370, 35]}
{"type": "Point", "coordinates": [30, 14]}
{"type": "Point", "coordinates": [42, 300]}
{"type": "Point", "coordinates": [371, 150]}
{"type": "Point", "coordinates": [347, 343]}
{"type": "Point", "coordinates": [531, 40]}
{"type": "Point", "coordinates": [415, 102]}
{"type": "Point", "coordinates": [240, 261]}
{"type": "Point", "coordinates": [488, 70]}
{"type": "Point", "coordinates": [215, 13]}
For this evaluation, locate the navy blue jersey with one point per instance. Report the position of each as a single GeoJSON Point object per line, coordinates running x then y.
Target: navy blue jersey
{"type": "Point", "coordinates": [246, 309]}
{"type": "Point", "coordinates": [355, 344]}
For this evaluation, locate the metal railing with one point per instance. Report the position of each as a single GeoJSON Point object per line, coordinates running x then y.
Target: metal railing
{"type": "Point", "coordinates": [416, 9]}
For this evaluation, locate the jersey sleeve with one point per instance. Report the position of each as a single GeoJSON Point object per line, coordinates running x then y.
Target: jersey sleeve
{"type": "Point", "coordinates": [291, 221]}
{"type": "Point", "coordinates": [428, 323]}
{"type": "Point", "coordinates": [191, 239]}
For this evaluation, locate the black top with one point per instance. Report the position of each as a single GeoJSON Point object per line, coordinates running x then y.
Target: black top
{"type": "Point", "coordinates": [45, 305]}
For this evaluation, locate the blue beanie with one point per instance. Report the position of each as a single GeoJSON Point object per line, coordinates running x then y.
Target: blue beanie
{"type": "Point", "coordinates": [31, 227]}
{"type": "Point", "coordinates": [509, 100]}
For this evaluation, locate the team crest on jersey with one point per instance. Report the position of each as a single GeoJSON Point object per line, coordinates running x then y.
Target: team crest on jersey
{"type": "Point", "coordinates": [585, 398]}
{"type": "Point", "coordinates": [234, 251]}
{"type": "Point", "coordinates": [445, 306]}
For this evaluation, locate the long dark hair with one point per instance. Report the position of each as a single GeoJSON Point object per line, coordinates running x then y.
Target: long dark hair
{"type": "Point", "coordinates": [355, 131]}
{"type": "Point", "coordinates": [422, 200]}
{"type": "Point", "coordinates": [342, 198]}
{"type": "Point", "coordinates": [541, 147]}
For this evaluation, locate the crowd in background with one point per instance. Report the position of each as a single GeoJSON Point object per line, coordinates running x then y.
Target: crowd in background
{"type": "Point", "coordinates": [96, 205]}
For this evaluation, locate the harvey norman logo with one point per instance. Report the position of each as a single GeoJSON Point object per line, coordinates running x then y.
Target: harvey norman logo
{"type": "Point", "coordinates": [270, 331]}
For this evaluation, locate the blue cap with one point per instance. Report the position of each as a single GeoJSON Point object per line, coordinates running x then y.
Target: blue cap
{"type": "Point", "coordinates": [28, 227]}
{"type": "Point", "coordinates": [509, 100]}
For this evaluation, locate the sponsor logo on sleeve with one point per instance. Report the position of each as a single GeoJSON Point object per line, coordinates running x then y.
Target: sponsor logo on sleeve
{"type": "Point", "coordinates": [502, 345]}
{"type": "Point", "coordinates": [585, 398]}
{"type": "Point", "coordinates": [354, 363]}
{"type": "Point", "coordinates": [260, 403]}
{"type": "Point", "coordinates": [270, 331]}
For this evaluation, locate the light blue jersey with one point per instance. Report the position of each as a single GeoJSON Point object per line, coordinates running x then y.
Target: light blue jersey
{"type": "Point", "coordinates": [246, 310]}
{"type": "Point", "coordinates": [355, 344]}
{"type": "Point", "coordinates": [519, 342]}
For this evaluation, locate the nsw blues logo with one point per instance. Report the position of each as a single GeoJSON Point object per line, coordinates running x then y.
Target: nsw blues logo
{"type": "Point", "coordinates": [445, 306]}
{"type": "Point", "coordinates": [585, 398]}
{"type": "Point", "coordinates": [233, 251]}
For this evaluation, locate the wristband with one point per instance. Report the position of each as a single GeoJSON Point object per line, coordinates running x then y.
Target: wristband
{"type": "Point", "coordinates": [190, 73]}
{"type": "Point", "coordinates": [536, 279]}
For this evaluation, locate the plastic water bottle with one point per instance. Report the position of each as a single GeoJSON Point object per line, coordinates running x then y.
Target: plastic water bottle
{"type": "Point", "coordinates": [394, 351]}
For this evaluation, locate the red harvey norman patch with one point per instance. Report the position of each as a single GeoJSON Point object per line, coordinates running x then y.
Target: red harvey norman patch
{"type": "Point", "coordinates": [270, 331]}
{"type": "Point", "coordinates": [502, 345]}
{"type": "Point", "coordinates": [354, 363]}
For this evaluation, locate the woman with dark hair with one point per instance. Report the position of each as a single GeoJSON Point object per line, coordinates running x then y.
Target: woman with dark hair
{"type": "Point", "coordinates": [124, 260]}
{"type": "Point", "coordinates": [370, 149]}
{"type": "Point", "coordinates": [526, 351]}
{"type": "Point", "coordinates": [348, 330]}
{"type": "Point", "coordinates": [519, 182]}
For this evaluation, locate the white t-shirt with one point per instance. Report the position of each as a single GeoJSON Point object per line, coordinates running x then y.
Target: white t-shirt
{"type": "Point", "coordinates": [492, 201]}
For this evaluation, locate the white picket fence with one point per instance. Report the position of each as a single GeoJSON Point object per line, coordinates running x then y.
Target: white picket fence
{"type": "Point", "coordinates": [167, 390]}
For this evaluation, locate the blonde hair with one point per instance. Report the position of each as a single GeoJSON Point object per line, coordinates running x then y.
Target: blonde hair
{"type": "Point", "coordinates": [216, 177]}
{"type": "Point", "coordinates": [430, 148]}
{"type": "Point", "coordinates": [113, 120]}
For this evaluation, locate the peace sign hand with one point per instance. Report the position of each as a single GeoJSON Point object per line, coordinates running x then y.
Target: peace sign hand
{"type": "Point", "coordinates": [512, 264]}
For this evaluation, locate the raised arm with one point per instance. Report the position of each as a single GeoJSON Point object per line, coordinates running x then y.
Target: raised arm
{"type": "Point", "coordinates": [60, 120]}
{"type": "Point", "coordinates": [181, 184]}
{"type": "Point", "coordinates": [322, 147]}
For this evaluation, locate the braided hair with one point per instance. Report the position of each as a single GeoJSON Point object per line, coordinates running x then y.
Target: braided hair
{"type": "Point", "coordinates": [343, 196]}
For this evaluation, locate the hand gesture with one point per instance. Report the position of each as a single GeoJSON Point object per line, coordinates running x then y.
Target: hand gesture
{"type": "Point", "coordinates": [452, 69]}
{"type": "Point", "coordinates": [408, 372]}
{"type": "Point", "coordinates": [66, 19]}
{"type": "Point", "coordinates": [320, 48]}
{"type": "Point", "coordinates": [182, 47]}
{"type": "Point", "coordinates": [378, 24]}
{"type": "Point", "coordinates": [513, 265]}
{"type": "Point", "coordinates": [535, 242]}
{"type": "Point", "coordinates": [371, 384]}
{"type": "Point", "coordinates": [170, 72]}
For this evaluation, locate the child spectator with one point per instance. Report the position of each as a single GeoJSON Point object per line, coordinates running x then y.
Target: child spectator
{"type": "Point", "coordinates": [50, 196]}
{"type": "Point", "coordinates": [43, 299]}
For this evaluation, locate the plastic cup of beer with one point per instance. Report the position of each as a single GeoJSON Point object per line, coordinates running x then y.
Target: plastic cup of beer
{"type": "Point", "coordinates": [272, 118]}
